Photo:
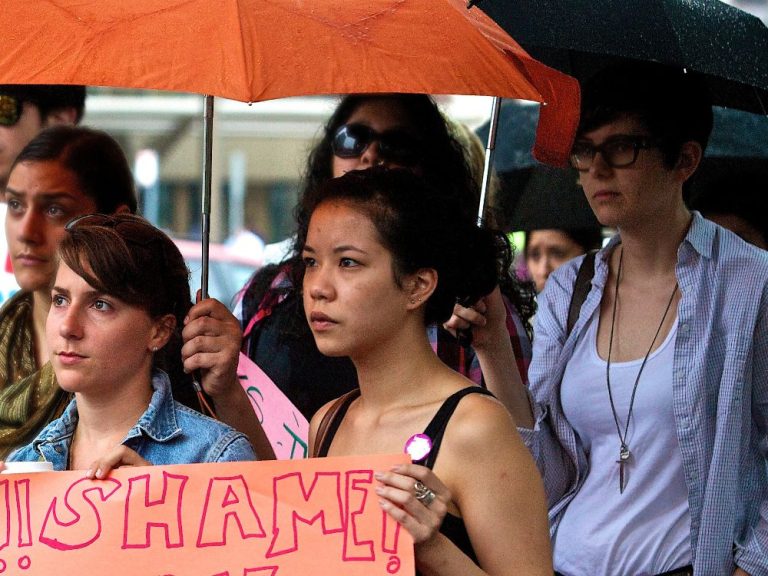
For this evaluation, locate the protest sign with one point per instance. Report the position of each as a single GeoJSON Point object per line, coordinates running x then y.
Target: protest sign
{"type": "Point", "coordinates": [285, 427]}
{"type": "Point", "coordinates": [273, 518]}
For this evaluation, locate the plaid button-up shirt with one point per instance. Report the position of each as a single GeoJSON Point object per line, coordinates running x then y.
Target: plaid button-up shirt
{"type": "Point", "coordinates": [464, 360]}
{"type": "Point", "coordinates": [720, 394]}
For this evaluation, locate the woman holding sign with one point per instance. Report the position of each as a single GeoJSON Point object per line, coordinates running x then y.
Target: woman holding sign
{"type": "Point", "coordinates": [119, 301]}
{"type": "Point", "coordinates": [386, 254]}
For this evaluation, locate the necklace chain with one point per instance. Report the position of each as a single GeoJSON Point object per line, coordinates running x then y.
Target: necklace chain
{"type": "Point", "coordinates": [624, 452]}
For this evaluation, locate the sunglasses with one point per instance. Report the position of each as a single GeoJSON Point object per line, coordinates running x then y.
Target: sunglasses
{"type": "Point", "coordinates": [10, 110]}
{"type": "Point", "coordinates": [618, 152]}
{"type": "Point", "coordinates": [396, 146]}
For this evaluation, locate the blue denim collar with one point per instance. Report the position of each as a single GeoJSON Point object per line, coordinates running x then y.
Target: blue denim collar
{"type": "Point", "coordinates": [158, 421]}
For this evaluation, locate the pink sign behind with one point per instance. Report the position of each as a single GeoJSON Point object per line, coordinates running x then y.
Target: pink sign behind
{"type": "Point", "coordinates": [272, 518]}
{"type": "Point", "coordinates": [284, 425]}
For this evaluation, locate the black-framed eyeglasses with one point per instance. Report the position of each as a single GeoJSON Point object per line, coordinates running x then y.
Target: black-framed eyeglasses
{"type": "Point", "coordinates": [10, 109]}
{"type": "Point", "coordinates": [396, 146]}
{"type": "Point", "coordinates": [618, 151]}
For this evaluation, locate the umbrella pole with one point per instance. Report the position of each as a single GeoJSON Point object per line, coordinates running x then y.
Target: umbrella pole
{"type": "Point", "coordinates": [206, 196]}
{"type": "Point", "coordinates": [490, 150]}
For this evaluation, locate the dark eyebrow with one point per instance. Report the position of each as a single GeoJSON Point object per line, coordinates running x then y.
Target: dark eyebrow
{"type": "Point", "coordinates": [348, 247]}
{"type": "Point", "coordinates": [88, 294]}
{"type": "Point", "coordinates": [338, 249]}
{"type": "Point", "coordinates": [614, 137]}
{"type": "Point", "coordinates": [44, 196]}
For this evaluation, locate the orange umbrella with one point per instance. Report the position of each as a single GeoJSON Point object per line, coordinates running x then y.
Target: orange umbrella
{"type": "Point", "coordinates": [253, 50]}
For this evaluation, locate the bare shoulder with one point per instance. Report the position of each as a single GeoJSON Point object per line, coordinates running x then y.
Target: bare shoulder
{"type": "Point", "coordinates": [479, 420]}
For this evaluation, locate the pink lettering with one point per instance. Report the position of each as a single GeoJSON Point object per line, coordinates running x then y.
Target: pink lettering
{"type": "Point", "coordinates": [228, 500]}
{"type": "Point", "coordinates": [358, 483]}
{"type": "Point", "coordinates": [164, 513]}
{"type": "Point", "coordinates": [78, 511]}
{"type": "Point", "coordinates": [22, 512]}
{"type": "Point", "coordinates": [5, 515]}
{"type": "Point", "coordinates": [293, 503]}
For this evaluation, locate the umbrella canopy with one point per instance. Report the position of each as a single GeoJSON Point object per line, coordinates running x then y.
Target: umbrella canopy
{"type": "Point", "coordinates": [738, 134]}
{"type": "Point", "coordinates": [728, 46]}
{"type": "Point", "coordinates": [253, 50]}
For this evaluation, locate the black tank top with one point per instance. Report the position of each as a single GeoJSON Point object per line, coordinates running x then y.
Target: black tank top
{"type": "Point", "coordinates": [453, 527]}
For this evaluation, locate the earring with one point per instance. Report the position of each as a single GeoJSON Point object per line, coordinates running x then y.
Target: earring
{"type": "Point", "coordinates": [154, 348]}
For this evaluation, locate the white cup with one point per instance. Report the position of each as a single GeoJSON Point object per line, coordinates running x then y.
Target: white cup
{"type": "Point", "coordinates": [27, 467]}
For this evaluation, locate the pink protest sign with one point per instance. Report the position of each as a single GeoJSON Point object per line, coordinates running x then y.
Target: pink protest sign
{"type": "Point", "coordinates": [275, 518]}
{"type": "Point", "coordinates": [284, 425]}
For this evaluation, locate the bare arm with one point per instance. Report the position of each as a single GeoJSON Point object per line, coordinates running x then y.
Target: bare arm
{"type": "Point", "coordinates": [490, 339]}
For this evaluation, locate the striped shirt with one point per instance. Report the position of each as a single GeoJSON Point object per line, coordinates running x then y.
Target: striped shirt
{"type": "Point", "coordinates": [720, 393]}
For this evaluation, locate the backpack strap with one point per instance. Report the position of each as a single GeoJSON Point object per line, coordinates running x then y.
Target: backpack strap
{"type": "Point", "coordinates": [581, 288]}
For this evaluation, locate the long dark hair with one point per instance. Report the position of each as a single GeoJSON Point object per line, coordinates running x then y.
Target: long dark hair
{"type": "Point", "coordinates": [127, 257]}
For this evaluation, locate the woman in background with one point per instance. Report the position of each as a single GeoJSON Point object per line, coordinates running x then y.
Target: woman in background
{"type": "Point", "coordinates": [548, 249]}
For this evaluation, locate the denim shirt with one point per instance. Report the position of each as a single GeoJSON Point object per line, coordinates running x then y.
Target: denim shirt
{"type": "Point", "coordinates": [720, 393]}
{"type": "Point", "coordinates": [167, 433]}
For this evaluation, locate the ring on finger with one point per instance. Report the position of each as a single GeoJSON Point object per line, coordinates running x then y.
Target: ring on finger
{"type": "Point", "coordinates": [423, 494]}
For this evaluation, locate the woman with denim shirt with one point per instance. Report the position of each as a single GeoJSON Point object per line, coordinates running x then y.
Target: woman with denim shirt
{"type": "Point", "coordinates": [119, 303]}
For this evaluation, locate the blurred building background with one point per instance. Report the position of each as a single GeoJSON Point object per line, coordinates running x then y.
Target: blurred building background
{"type": "Point", "coordinates": [258, 155]}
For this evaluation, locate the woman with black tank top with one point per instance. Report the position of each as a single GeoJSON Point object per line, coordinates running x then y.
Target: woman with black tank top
{"type": "Point", "coordinates": [385, 255]}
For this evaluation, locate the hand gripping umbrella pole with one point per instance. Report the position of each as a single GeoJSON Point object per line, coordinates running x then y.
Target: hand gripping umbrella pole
{"type": "Point", "coordinates": [206, 229]}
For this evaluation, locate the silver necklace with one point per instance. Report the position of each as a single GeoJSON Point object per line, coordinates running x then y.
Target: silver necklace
{"type": "Point", "coordinates": [624, 453]}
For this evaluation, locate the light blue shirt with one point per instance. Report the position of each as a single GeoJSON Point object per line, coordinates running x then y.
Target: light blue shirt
{"type": "Point", "coordinates": [167, 433]}
{"type": "Point", "coordinates": [720, 394]}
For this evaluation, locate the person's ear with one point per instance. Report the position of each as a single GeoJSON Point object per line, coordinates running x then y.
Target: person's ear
{"type": "Point", "coordinates": [690, 157]}
{"type": "Point", "coordinates": [67, 115]}
{"type": "Point", "coordinates": [161, 332]}
{"type": "Point", "coordinates": [420, 287]}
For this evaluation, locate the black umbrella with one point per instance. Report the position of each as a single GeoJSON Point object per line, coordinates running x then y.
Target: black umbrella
{"type": "Point", "coordinates": [738, 134]}
{"type": "Point", "coordinates": [532, 196]}
{"type": "Point", "coordinates": [728, 46]}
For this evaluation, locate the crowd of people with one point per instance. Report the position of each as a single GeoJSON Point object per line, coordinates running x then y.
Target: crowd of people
{"type": "Point", "coordinates": [609, 416]}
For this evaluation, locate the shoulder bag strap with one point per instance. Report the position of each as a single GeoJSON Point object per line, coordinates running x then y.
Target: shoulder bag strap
{"type": "Point", "coordinates": [328, 418]}
{"type": "Point", "coordinates": [581, 288]}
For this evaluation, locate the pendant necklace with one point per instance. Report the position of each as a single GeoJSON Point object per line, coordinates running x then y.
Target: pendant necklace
{"type": "Point", "coordinates": [624, 453]}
